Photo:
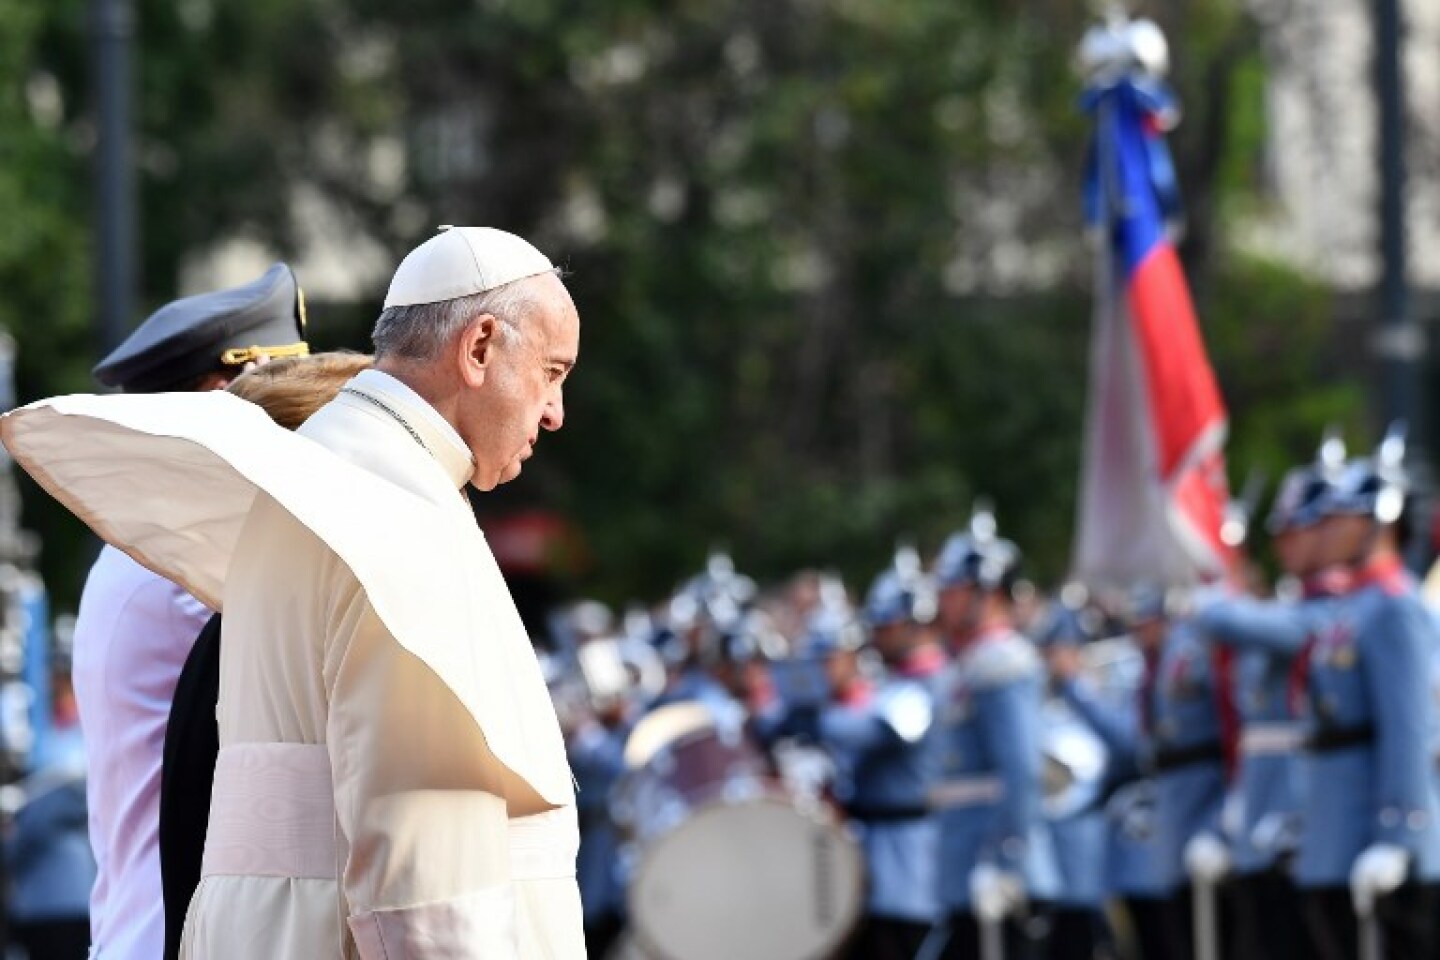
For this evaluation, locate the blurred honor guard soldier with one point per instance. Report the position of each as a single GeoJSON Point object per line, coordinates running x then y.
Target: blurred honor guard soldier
{"type": "Point", "coordinates": [595, 743]}
{"type": "Point", "coordinates": [824, 675]}
{"type": "Point", "coordinates": [52, 869]}
{"type": "Point", "coordinates": [890, 747]}
{"type": "Point", "coordinates": [1076, 817]}
{"type": "Point", "coordinates": [597, 755]}
{"type": "Point", "coordinates": [392, 779]}
{"type": "Point", "coordinates": [702, 613]}
{"type": "Point", "coordinates": [135, 628]}
{"type": "Point", "coordinates": [742, 663]}
{"type": "Point", "coordinates": [1268, 636]}
{"type": "Point", "coordinates": [1371, 840]}
{"type": "Point", "coordinates": [1114, 712]}
{"type": "Point", "coordinates": [997, 864]}
{"type": "Point", "coordinates": [1191, 727]}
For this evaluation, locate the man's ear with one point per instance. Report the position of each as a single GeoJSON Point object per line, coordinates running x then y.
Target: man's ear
{"type": "Point", "coordinates": [477, 345]}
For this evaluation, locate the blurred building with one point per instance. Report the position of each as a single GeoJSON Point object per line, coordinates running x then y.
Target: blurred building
{"type": "Point", "coordinates": [1321, 158]}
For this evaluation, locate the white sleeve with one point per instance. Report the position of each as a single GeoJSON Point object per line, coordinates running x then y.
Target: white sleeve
{"type": "Point", "coordinates": [420, 805]}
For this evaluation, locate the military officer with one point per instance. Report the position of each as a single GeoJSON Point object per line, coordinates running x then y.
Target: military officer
{"type": "Point", "coordinates": [1369, 856]}
{"type": "Point", "coordinates": [998, 871]}
{"type": "Point", "coordinates": [135, 629]}
{"type": "Point", "coordinates": [1267, 637]}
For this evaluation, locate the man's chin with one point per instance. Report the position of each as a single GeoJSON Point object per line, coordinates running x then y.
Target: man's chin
{"type": "Point", "coordinates": [487, 483]}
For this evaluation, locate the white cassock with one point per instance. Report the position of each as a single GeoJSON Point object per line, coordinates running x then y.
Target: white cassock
{"type": "Point", "coordinates": [392, 780]}
{"type": "Point", "coordinates": [132, 635]}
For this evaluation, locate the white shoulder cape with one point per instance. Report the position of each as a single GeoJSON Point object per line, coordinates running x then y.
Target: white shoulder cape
{"type": "Point", "coordinates": [170, 478]}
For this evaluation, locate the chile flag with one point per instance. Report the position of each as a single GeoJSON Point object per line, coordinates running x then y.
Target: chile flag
{"type": "Point", "coordinates": [1153, 490]}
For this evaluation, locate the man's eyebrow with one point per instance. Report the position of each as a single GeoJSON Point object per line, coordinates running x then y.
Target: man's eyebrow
{"type": "Point", "coordinates": [566, 362]}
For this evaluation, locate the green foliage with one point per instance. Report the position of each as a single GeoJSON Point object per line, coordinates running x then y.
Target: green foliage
{"type": "Point", "coordinates": [1267, 330]}
{"type": "Point", "coordinates": [45, 269]}
{"type": "Point", "coordinates": [798, 341]}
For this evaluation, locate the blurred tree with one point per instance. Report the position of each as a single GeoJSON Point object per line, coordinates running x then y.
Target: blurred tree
{"type": "Point", "coordinates": [828, 255]}
{"type": "Point", "coordinates": [44, 246]}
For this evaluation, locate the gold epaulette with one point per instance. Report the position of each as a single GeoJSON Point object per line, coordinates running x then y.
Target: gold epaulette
{"type": "Point", "coordinates": [238, 356]}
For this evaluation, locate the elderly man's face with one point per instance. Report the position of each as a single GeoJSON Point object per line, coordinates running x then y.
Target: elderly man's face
{"type": "Point", "coordinates": [521, 391]}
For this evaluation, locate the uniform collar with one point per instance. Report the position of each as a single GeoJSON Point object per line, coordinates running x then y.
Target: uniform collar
{"type": "Point", "coordinates": [988, 630]}
{"type": "Point", "coordinates": [857, 693]}
{"type": "Point", "coordinates": [762, 694]}
{"type": "Point", "coordinates": [434, 431]}
{"type": "Point", "coordinates": [1385, 571]}
{"type": "Point", "coordinates": [1332, 582]}
{"type": "Point", "coordinates": [925, 660]}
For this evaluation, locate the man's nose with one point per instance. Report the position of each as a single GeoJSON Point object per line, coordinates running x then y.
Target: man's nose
{"type": "Point", "coordinates": [554, 416]}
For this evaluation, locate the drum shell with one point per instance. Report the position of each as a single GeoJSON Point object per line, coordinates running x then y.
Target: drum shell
{"type": "Point", "coordinates": [724, 861]}
{"type": "Point", "coordinates": [760, 878]}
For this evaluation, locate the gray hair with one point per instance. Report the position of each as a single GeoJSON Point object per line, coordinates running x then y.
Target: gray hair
{"type": "Point", "coordinates": [422, 330]}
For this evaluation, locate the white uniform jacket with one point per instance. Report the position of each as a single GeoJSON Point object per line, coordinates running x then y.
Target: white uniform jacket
{"type": "Point", "coordinates": [132, 636]}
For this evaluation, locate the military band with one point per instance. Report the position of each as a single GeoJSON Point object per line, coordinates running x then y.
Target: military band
{"type": "Point", "coordinates": [1158, 772]}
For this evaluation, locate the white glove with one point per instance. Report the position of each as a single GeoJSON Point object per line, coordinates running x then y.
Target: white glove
{"type": "Point", "coordinates": [1207, 860]}
{"type": "Point", "coordinates": [1379, 870]}
{"type": "Point", "coordinates": [995, 893]}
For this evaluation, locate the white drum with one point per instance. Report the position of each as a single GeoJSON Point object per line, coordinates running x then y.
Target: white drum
{"type": "Point", "coordinates": [761, 878]}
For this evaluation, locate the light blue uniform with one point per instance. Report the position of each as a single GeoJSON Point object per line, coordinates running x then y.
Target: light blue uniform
{"type": "Point", "coordinates": [1187, 747]}
{"type": "Point", "coordinates": [1267, 637]}
{"type": "Point", "coordinates": [1080, 836]}
{"type": "Point", "coordinates": [48, 852]}
{"type": "Point", "coordinates": [1369, 720]}
{"type": "Point", "coordinates": [1132, 858]}
{"type": "Point", "coordinates": [1131, 855]}
{"type": "Point", "coordinates": [991, 790]}
{"type": "Point", "coordinates": [37, 669]}
{"type": "Point", "coordinates": [1079, 833]}
{"type": "Point", "coordinates": [891, 749]}
{"type": "Point", "coordinates": [1435, 699]}
{"type": "Point", "coordinates": [1081, 841]}
{"type": "Point", "coordinates": [597, 758]}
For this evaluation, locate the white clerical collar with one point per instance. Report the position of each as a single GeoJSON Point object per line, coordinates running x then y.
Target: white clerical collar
{"type": "Point", "coordinates": [415, 412]}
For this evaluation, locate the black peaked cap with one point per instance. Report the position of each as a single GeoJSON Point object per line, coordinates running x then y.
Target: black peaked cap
{"type": "Point", "coordinates": [190, 337]}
